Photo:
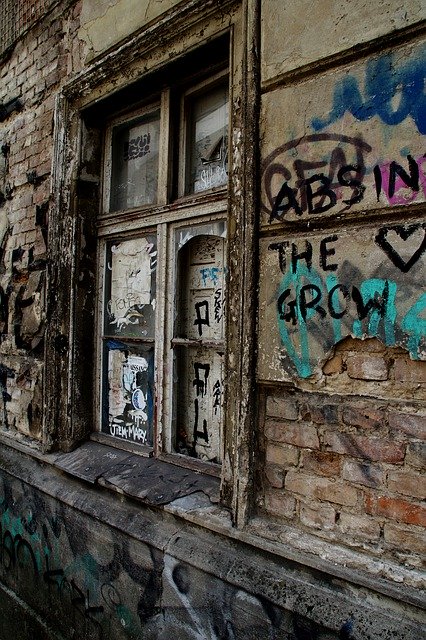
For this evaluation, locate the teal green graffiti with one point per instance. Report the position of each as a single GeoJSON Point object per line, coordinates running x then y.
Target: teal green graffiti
{"type": "Point", "coordinates": [331, 282]}
{"type": "Point", "coordinates": [381, 321]}
{"type": "Point", "coordinates": [415, 326]}
{"type": "Point", "coordinates": [294, 279]}
{"type": "Point", "coordinates": [370, 289]}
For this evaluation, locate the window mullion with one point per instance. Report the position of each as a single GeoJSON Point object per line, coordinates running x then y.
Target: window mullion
{"type": "Point", "coordinates": [160, 331]}
{"type": "Point", "coordinates": [164, 150]}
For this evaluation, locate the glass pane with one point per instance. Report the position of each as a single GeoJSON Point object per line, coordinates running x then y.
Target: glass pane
{"type": "Point", "coordinates": [198, 374]}
{"type": "Point", "coordinates": [128, 392]}
{"type": "Point", "coordinates": [130, 287]}
{"type": "Point", "coordinates": [207, 144]}
{"type": "Point", "coordinates": [200, 296]}
{"type": "Point", "coordinates": [134, 172]}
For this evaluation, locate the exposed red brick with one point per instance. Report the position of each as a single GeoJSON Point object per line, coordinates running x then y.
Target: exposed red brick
{"type": "Point", "coordinates": [413, 424]}
{"type": "Point", "coordinates": [367, 367]}
{"type": "Point", "coordinates": [317, 515]}
{"type": "Point", "coordinates": [406, 483]}
{"type": "Point", "coordinates": [396, 509]}
{"type": "Point", "coordinates": [365, 474]}
{"type": "Point", "coordinates": [362, 447]}
{"type": "Point", "coordinates": [411, 539]}
{"type": "Point", "coordinates": [416, 455]}
{"type": "Point", "coordinates": [319, 413]}
{"type": "Point", "coordinates": [280, 504]}
{"type": "Point", "coordinates": [334, 365]}
{"type": "Point", "coordinates": [338, 493]}
{"type": "Point", "coordinates": [282, 455]}
{"type": "Point", "coordinates": [274, 475]}
{"type": "Point", "coordinates": [366, 417]}
{"type": "Point", "coordinates": [285, 408]}
{"type": "Point", "coordinates": [299, 434]}
{"type": "Point", "coordinates": [303, 484]}
{"type": "Point", "coordinates": [406, 370]}
{"type": "Point", "coordinates": [320, 488]}
{"type": "Point", "coordinates": [323, 463]}
{"type": "Point", "coordinates": [360, 527]}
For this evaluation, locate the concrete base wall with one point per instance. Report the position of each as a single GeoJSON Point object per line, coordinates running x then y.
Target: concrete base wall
{"type": "Point", "coordinates": [93, 567]}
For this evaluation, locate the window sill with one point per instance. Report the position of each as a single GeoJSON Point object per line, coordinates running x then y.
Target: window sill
{"type": "Point", "coordinates": [149, 480]}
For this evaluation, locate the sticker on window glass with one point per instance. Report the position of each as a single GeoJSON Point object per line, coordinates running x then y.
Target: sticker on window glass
{"type": "Point", "coordinates": [130, 301]}
{"type": "Point", "coordinates": [199, 403]}
{"type": "Point", "coordinates": [135, 149]}
{"type": "Point", "coordinates": [129, 396]}
{"type": "Point", "coordinates": [208, 141]}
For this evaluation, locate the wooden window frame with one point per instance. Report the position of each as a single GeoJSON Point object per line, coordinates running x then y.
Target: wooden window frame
{"type": "Point", "coordinates": [136, 222]}
{"type": "Point", "coordinates": [68, 394]}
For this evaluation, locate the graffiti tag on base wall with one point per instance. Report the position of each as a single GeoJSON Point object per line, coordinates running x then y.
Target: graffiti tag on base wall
{"type": "Point", "coordinates": [321, 290]}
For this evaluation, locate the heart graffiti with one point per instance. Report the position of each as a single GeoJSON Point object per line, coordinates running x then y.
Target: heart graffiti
{"type": "Point", "coordinates": [403, 232]}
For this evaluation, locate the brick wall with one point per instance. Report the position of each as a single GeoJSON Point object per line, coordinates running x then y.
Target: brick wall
{"type": "Point", "coordinates": [32, 73]}
{"type": "Point", "coordinates": [349, 467]}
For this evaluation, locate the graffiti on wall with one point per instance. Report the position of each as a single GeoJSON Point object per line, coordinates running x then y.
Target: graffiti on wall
{"type": "Point", "coordinates": [393, 90]}
{"type": "Point", "coordinates": [340, 284]}
{"type": "Point", "coordinates": [108, 585]}
{"type": "Point", "coordinates": [379, 164]}
{"type": "Point", "coordinates": [330, 173]}
{"type": "Point", "coordinates": [317, 290]}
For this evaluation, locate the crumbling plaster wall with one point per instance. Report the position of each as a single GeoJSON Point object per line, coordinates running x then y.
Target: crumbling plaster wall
{"type": "Point", "coordinates": [342, 334]}
{"type": "Point", "coordinates": [31, 75]}
{"type": "Point", "coordinates": [103, 23]}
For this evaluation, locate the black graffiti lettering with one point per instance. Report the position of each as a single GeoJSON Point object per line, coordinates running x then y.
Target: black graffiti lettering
{"type": "Point", "coordinates": [378, 303]}
{"type": "Point", "coordinates": [8, 549]}
{"type": "Point", "coordinates": [304, 255]}
{"type": "Point", "coordinates": [300, 166]}
{"type": "Point", "coordinates": [324, 190]}
{"type": "Point", "coordinates": [325, 252]}
{"type": "Point", "coordinates": [78, 597]}
{"type": "Point", "coordinates": [290, 315]}
{"type": "Point", "coordinates": [16, 550]}
{"type": "Point", "coordinates": [202, 320]}
{"type": "Point", "coordinates": [199, 384]}
{"type": "Point", "coordinates": [50, 575]}
{"type": "Point", "coordinates": [411, 179]}
{"type": "Point", "coordinates": [278, 209]}
{"type": "Point", "coordinates": [24, 550]}
{"type": "Point", "coordinates": [378, 181]}
{"type": "Point", "coordinates": [218, 305]}
{"type": "Point", "coordinates": [305, 304]}
{"type": "Point", "coordinates": [404, 232]}
{"type": "Point", "coordinates": [281, 248]}
{"type": "Point", "coordinates": [343, 289]}
{"type": "Point", "coordinates": [217, 394]}
{"type": "Point", "coordinates": [355, 183]}
{"type": "Point", "coordinates": [272, 168]}
{"type": "Point", "coordinates": [197, 433]}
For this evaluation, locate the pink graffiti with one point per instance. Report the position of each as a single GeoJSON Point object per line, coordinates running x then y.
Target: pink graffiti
{"type": "Point", "coordinates": [403, 194]}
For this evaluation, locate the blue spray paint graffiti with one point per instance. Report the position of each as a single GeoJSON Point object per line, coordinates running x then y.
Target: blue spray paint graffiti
{"type": "Point", "coordinates": [316, 310]}
{"type": "Point", "coordinates": [385, 82]}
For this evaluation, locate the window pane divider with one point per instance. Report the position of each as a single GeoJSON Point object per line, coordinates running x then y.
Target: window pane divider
{"type": "Point", "coordinates": [126, 339]}
{"type": "Point", "coordinates": [191, 342]}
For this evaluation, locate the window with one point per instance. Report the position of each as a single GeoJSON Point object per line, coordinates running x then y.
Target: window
{"type": "Point", "coordinates": [162, 272]}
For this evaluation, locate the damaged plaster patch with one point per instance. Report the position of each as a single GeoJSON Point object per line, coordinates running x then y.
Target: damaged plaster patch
{"type": "Point", "coordinates": [106, 22]}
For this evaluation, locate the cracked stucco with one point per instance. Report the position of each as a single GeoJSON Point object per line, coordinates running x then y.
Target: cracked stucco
{"type": "Point", "coordinates": [106, 22]}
